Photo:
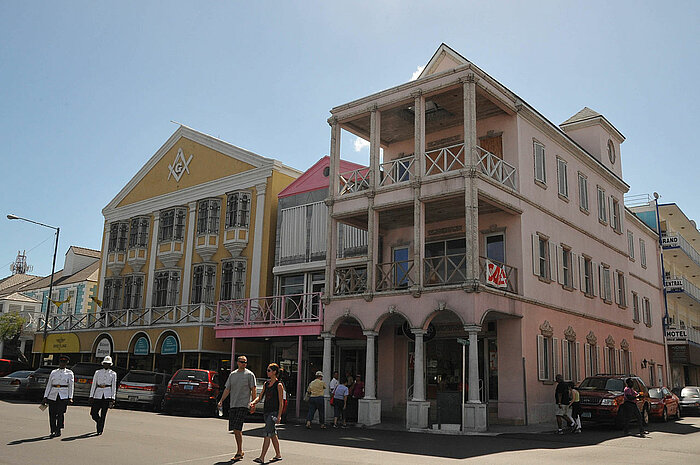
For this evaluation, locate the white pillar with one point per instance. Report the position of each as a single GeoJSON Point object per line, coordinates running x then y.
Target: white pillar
{"type": "Point", "coordinates": [257, 241]}
{"type": "Point", "coordinates": [419, 366]}
{"type": "Point", "coordinates": [152, 260]}
{"type": "Point", "coordinates": [374, 146]}
{"type": "Point", "coordinates": [473, 363]}
{"type": "Point", "coordinates": [189, 245]}
{"type": "Point", "coordinates": [471, 196]}
{"type": "Point", "coordinates": [234, 366]}
{"type": "Point", "coordinates": [332, 234]}
{"type": "Point", "coordinates": [370, 382]}
{"type": "Point", "coordinates": [327, 339]}
{"type": "Point", "coordinates": [419, 134]}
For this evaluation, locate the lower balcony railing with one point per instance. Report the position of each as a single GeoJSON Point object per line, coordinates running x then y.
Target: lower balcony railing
{"type": "Point", "coordinates": [498, 275]}
{"type": "Point", "coordinates": [445, 270]}
{"type": "Point", "coordinates": [135, 317]}
{"type": "Point", "coordinates": [396, 171]}
{"type": "Point", "coordinates": [278, 310]}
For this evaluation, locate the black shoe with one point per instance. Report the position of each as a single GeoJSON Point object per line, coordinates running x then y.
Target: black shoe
{"type": "Point", "coordinates": [58, 433]}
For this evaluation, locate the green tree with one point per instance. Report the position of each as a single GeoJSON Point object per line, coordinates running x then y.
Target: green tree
{"type": "Point", "coordinates": [11, 325]}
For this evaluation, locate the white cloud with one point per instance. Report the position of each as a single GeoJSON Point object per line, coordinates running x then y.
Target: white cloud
{"type": "Point", "coordinates": [360, 144]}
{"type": "Point", "coordinates": [417, 72]}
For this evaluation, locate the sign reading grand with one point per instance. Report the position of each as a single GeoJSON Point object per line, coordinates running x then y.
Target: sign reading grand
{"type": "Point", "coordinates": [676, 335]}
{"type": "Point", "coordinates": [670, 241]}
{"type": "Point", "coordinates": [180, 166]}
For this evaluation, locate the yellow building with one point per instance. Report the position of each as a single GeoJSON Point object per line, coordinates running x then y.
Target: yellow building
{"type": "Point", "coordinates": [194, 226]}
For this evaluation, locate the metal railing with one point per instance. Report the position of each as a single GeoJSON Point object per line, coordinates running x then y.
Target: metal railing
{"type": "Point", "coordinates": [688, 288]}
{"type": "Point", "coordinates": [354, 181]}
{"type": "Point", "coordinates": [271, 311]}
{"type": "Point", "coordinates": [444, 159]}
{"type": "Point", "coordinates": [396, 171]}
{"type": "Point", "coordinates": [395, 275]}
{"type": "Point", "coordinates": [685, 246]}
{"type": "Point", "coordinates": [350, 280]}
{"type": "Point", "coordinates": [136, 317]}
{"type": "Point", "coordinates": [497, 169]}
{"type": "Point", "coordinates": [445, 270]}
{"type": "Point", "coordinates": [498, 275]}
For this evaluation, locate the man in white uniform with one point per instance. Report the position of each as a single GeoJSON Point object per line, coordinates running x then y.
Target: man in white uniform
{"type": "Point", "coordinates": [102, 393]}
{"type": "Point", "coordinates": [58, 393]}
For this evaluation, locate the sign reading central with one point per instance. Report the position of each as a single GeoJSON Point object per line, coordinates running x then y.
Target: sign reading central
{"type": "Point", "coordinates": [180, 166]}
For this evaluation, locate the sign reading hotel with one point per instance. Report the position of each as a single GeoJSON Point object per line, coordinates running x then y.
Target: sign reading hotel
{"type": "Point", "coordinates": [180, 166]}
{"type": "Point", "coordinates": [676, 335]}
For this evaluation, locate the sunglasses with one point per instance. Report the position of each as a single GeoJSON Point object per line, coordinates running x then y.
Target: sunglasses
{"type": "Point", "coordinates": [242, 361]}
{"type": "Point", "coordinates": [269, 370]}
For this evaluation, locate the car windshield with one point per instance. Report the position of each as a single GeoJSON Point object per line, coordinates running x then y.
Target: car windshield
{"type": "Point", "coordinates": [690, 392]}
{"type": "Point", "coordinates": [85, 369]}
{"type": "Point", "coordinates": [656, 393]}
{"type": "Point", "coordinates": [141, 377]}
{"type": "Point", "coordinates": [19, 374]}
{"type": "Point", "coordinates": [197, 375]}
{"type": "Point", "coordinates": [602, 384]}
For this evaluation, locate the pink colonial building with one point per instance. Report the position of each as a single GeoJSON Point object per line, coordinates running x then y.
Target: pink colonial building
{"type": "Point", "coordinates": [485, 223]}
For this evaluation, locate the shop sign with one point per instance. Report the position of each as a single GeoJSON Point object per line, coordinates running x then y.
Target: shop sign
{"type": "Point", "coordinates": [677, 335]}
{"type": "Point", "coordinates": [104, 348]}
{"type": "Point", "coordinates": [169, 346]}
{"type": "Point", "coordinates": [678, 353]}
{"type": "Point", "coordinates": [670, 241]}
{"type": "Point", "coordinates": [141, 346]}
{"type": "Point", "coordinates": [67, 343]}
{"type": "Point", "coordinates": [674, 285]}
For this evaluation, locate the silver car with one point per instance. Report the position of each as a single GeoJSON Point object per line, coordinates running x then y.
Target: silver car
{"type": "Point", "coordinates": [142, 388]}
{"type": "Point", "coordinates": [690, 399]}
{"type": "Point", "coordinates": [15, 384]}
{"type": "Point", "coordinates": [37, 382]}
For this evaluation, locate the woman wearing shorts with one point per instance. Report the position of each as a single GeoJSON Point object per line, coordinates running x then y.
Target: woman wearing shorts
{"type": "Point", "coordinates": [340, 403]}
{"type": "Point", "coordinates": [272, 394]}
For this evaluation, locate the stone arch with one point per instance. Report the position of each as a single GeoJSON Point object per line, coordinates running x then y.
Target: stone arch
{"type": "Point", "coordinates": [135, 337]}
{"type": "Point", "coordinates": [441, 310]}
{"type": "Point", "coordinates": [345, 317]}
{"type": "Point", "coordinates": [98, 338]}
{"type": "Point", "coordinates": [491, 314]}
{"type": "Point", "coordinates": [165, 333]}
{"type": "Point", "coordinates": [391, 312]}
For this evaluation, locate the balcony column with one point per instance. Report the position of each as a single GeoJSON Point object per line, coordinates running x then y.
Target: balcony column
{"type": "Point", "coordinates": [103, 265]}
{"type": "Point", "coordinates": [374, 146]}
{"type": "Point", "coordinates": [417, 407]}
{"type": "Point", "coordinates": [471, 196]}
{"type": "Point", "coordinates": [189, 245]}
{"type": "Point", "coordinates": [419, 133]}
{"type": "Point", "coordinates": [370, 408]}
{"type": "Point", "coordinates": [327, 339]}
{"type": "Point", "coordinates": [474, 409]}
{"type": "Point", "coordinates": [233, 354]}
{"type": "Point", "coordinates": [260, 190]}
{"type": "Point", "coordinates": [332, 224]}
{"type": "Point", "coordinates": [418, 241]}
{"type": "Point", "coordinates": [419, 172]}
{"type": "Point", "coordinates": [372, 246]}
{"type": "Point", "coordinates": [150, 277]}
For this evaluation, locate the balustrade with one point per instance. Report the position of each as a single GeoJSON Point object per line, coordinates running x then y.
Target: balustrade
{"type": "Point", "coordinates": [271, 311]}
{"type": "Point", "coordinates": [495, 168]}
{"type": "Point", "coordinates": [354, 181]}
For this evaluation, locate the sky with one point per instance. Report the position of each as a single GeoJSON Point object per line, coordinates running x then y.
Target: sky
{"type": "Point", "coordinates": [89, 89]}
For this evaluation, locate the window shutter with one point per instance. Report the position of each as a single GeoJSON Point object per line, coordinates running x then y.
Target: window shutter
{"type": "Point", "coordinates": [536, 254]}
{"type": "Point", "coordinates": [618, 360]}
{"type": "Point", "coordinates": [552, 262]}
{"type": "Point", "coordinates": [577, 369]}
{"type": "Point", "coordinates": [574, 270]}
{"type": "Point", "coordinates": [565, 360]}
{"type": "Point", "coordinates": [594, 278]}
{"type": "Point", "coordinates": [587, 358]}
{"type": "Point", "coordinates": [621, 207]}
{"type": "Point", "coordinates": [606, 359]}
{"type": "Point", "coordinates": [615, 287]}
{"type": "Point", "coordinates": [582, 273]}
{"type": "Point", "coordinates": [541, 372]}
{"type": "Point", "coordinates": [629, 362]}
{"type": "Point", "coordinates": [560, 264]}
{"type": "Point", "coordinates": [611, 211]}
{"type": "Point", "coordinates": [555, 358]}
{"type": "Point", "coordinates": [626, 294]}
{"type": "Point", "coordinates": [597, 359]}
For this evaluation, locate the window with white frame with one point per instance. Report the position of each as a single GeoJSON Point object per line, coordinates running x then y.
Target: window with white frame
{"type": "Point", "coordinates": [541, 257]}
{"type": "Point", "coordinates": [133, 291]}
{"type": "Point", "coordinates": [540, 171]}
{"type": "Point", "coordinates": [570, 360]}
{"type": "Point", "coordinates": [562, 178]}
{"type": "Point", "coordinates": [233, 273]}
{"type": "Point", "coordinates": [643, 253]}
{"type": "Point", "coordinates": [547, 355]}
{"type": "Point", "coordinates": [602, 207]}
{"type": "Point", "coordinates": [615, 218]}
{"type": "Point", "coordinates": [605, 283]}
{"type": "Point", "coordinates": [166, 288]}
{"type": "Point", "coordinates": [635, 307]}
{"type": "Point", "coordinates": [118, 235]}
{"type": "Point", "coordinates": [625, 365]}
{"type": "Point", "coordinates": [621, 289]}
{"type": "Point", "coordinates": [611, 152]}
{"type": "Point", "coordinates": [208, 216]}
{"type": "Point", "coordinates": [583, 192]}
{"type": "Point", "coordinates": [591, 359]}
{"type": "Point", "coordinates": [138, 233]}
{"type": "Point", "coordinates": [647, 312]}
{"type": "Point", "coordinates": [172, 225]}
{"type": "Point", "coordinates": [238, 209]}
{"type": "Point", "coordinates": [111, 297]}
{"type": "Point", "coordinates": [203, 281]}
{"type": "Point", "coordinates": [630, 244]}
{"type": "Point", "coordinates": [566, 267]}
{"type": "Point", "coordinates": [587, 281]}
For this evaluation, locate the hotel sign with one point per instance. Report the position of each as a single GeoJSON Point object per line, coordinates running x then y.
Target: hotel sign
{"type": "Point", "coordinates": [674, 285]}
{"type": "Point", "coordinates": [670, 241]}
{"type": "Point", "coordinates": [676, 335]}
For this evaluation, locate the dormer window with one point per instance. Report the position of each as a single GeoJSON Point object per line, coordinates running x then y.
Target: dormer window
{"type": "Point", "coordinates": [611, 151]}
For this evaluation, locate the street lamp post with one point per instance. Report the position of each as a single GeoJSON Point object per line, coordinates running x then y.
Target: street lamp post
{"type": "Point", "coordinates": [53, 268]}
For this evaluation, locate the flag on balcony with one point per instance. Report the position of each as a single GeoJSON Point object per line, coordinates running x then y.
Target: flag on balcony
{"type": "Point", "coordinates": [495, 275]}
{"type": "Point", "coordinates": [58, 303]}
{"type": "Point", "coordinates": [96, 300]}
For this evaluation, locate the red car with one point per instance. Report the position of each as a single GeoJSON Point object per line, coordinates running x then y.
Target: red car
{"type": "Point", "coordinates": [192, 388]}
{"type": "Point", "coordinates": [664, 404]}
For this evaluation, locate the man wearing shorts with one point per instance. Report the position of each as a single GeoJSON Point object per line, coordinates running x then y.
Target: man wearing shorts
{"type": "Point", "coordinates": [241, 385]}
{"type": "Point", "coordinates": [561, 397]}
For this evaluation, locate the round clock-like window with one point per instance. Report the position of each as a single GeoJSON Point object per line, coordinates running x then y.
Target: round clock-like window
{"type": "Point", "coordinates": [611, 152]}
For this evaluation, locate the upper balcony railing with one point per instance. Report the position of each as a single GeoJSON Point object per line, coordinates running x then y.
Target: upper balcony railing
{"type": "Point", "coordinates": [681, 284]}
{"type": "Point", "coordinates": [497, 169]}
{"type": "Point", "coordinates": [674, 240]}
{"type": "Point", "coordinates": [354, 181]}
{"type": "Point", "coordinates": [395, 275]}
{"type": "Point", "coordinates": [444, 159]}
{"type": "Point", "coordinates": [279, 310]}
{"type": "Point", "coordinates": [350, 280]}
{"type": "Point", "coordinates": [445, 270]}
{"type": "Point", "coordinates": [396, 171]}
{"type": "Point", "coordinates": [135, 317]}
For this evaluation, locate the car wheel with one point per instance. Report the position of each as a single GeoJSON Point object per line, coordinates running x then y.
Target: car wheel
{"type": "Point", "coordinates": [645, 415]}
{"type": "Point", "coordinates": [664, 415]}
{"type": "Point", "coordinates": [679, 412]}
{"type": "Point", "coordinates": [167, 409]}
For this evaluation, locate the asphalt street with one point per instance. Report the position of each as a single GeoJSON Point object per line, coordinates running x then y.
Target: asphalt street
{"type": "Point", "coordinates": [136, 437]}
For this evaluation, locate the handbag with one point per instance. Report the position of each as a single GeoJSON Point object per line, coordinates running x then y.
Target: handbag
{"type": "Point", "coordinates": [332, 399]}
{"type": "Point", "coordinates": [306, 396]}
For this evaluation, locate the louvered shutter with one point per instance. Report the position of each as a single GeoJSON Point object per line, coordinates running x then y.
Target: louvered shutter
{"type": "Point", "coordinates": [594, 278]}
{"type": "Point", "coordinates": [560, 264]}
{"type": "Point", "coordinates": [555, 358]}
{"type": "Point", "coordinates": [577, 359]}
{"type": "Point", "coordinates": [541, 369]}
{"type": "Point", "coordinates": [597, 360]}
{"type": "Point", "coordinates": [552, 262]}
{"type": "Point", "coordinates": [616, 292]}
{"type": "Point", "coordinates": [587, 359]}
{"type": "Point", "coordinates": [536, 254]}
{"type": "Point", "coordinates": [606, 359]}
{"type": "Point", "coordinates": [582, 273]}
{"type": "Point", "coordinates": [574, 270]}
{"type": "Point", "coordinates": [565, 360]}
{"type": "Point", "coordinates": [626, 291]}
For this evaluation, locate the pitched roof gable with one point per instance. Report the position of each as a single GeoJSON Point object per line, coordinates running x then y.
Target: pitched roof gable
{"type": "Point", "coordinates": [586, 114]}
{"type": "Point", "coordinates": [443, 59]}
{"type": "Point", "coordinates": [314, 179]}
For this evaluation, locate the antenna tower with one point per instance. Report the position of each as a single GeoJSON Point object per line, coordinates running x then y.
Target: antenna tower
{"type": "Point", "coordinates": [20, 265]}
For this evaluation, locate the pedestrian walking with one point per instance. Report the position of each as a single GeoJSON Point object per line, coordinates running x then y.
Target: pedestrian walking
{"type": "Point", "coordinates": [561, 397]}
{"type": "Point", "coordinates": [241, 386]}
{"type": "Point", "coordinates": [340, 404]}
{"type": "Point", "coordinates": [334, 383]}
{"type": "Point", "coordinates": [629, 409]}
{"type": "Point", "coordinates": [273, 395]}
{"type": "Point", "coordinates": [102, 393]}
{"type": "Point", "coordinates": [315, 390]}
{"type": "Point", "coordinates": [58, 394]}
{"type": "Point", "coordinates": [575, 407]}
{"type": "Point", "coordinates": [357, 392]}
